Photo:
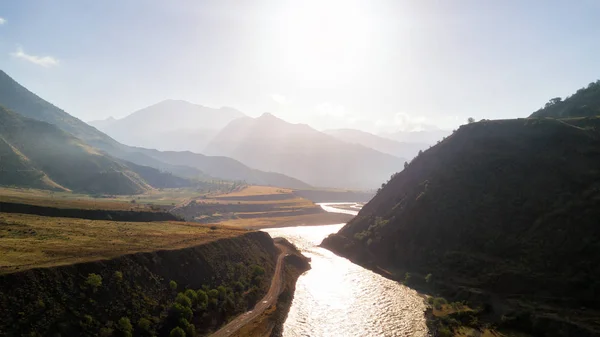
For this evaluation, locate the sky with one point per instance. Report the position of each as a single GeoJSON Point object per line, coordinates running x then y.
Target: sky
{"type": "Point", "coordinates": [374, 65]}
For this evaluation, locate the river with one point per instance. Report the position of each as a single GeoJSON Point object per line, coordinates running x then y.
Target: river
{"type": "Point", "coordinates": [341, 299]}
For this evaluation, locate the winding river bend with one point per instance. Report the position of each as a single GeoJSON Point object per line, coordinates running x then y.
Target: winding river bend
{"type": "Point", "coordinates": [339, 298]}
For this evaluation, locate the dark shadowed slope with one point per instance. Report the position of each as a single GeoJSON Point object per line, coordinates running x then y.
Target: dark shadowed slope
{"type": "Point", "coordinates": [584, 103]}
{"type": "Point", "coordinates": [511, 207]}
{"type": "Point", "coordinates": [37, 154]}
{"type": "Point", "coordinates": [169, 125]}
{"type": "Point", "coordinates": [17, 98]}
{"type": "Point", "coordinates": [406, 149]}
{"type": "Point", "coordinates": [271, 144]}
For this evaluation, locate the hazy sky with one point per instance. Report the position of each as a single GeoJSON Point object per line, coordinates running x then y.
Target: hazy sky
{"type": "Point", "coordinates": [372, 65]}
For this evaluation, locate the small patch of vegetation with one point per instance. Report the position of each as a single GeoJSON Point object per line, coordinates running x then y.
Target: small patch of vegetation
{"type": "Point", "coordinates": [94, 281]}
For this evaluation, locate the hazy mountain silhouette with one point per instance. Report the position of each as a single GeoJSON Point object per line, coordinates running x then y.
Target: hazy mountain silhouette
{"type": "Point", "coordinates": [271, 144]}
{"type": "Point", "coordinates": [381, 144]}
{"type": "Point", "coordinates": [38, 154]}
{"type": "Point", "coordinates": [17, 98]}
{"type": "Point", "coordinates": [169, 125]}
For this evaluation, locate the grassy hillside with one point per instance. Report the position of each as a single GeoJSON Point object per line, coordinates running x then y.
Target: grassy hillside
{"type": "Point", "coordinates": [37, 154]}
{"type": "Point", "coordinates": [584, 103]}
{"type": "Point", "coordinates": [504, 208]}
{"type": "Point", "coordinates": [120, 279]}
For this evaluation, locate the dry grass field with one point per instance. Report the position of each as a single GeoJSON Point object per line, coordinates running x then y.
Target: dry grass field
{"type": "Point", "coordinates": [258, 207]}
{"type": "Point", "coordinates": [29, 241]}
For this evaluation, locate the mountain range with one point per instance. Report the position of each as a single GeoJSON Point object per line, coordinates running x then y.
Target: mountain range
{"type": "Point", "coordinates": [381, 144]}
{"type": "Point", "coordinates": [169, 125]}
{"type": "Point", "coordinates": [39, 155]}
{"type": "Point", "coordinates": [272, 144]}
{"type": "Point", "coordinates": [17, 98]}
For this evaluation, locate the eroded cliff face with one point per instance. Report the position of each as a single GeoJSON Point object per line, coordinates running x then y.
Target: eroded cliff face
{"type": "Point", "coordinates": [96, 298]}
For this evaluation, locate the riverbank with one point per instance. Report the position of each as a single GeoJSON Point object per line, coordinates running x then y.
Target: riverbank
{"type": "Point", "coordinates": [270, 322]}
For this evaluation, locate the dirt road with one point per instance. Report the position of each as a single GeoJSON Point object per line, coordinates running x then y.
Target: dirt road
{"type": "Point", "coordinates": [269, 299]}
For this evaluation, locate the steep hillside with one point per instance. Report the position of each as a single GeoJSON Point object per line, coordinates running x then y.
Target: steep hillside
{"type": "Point", "coordinates": [37, 154]}
{"type": "Point", "coordinates": [140, 294]}
{"type": "Point", "coordinates": [584, 103]}
{"type": "Point", "coordinates": [399, 149]}
{"type": "Point", "coordinates": [17, 98]}
{"type": "Point", "coordinates": [169, 125]}
{"type": "Point", "coordinates": [271, 144]}
{"type": "Point", "coordinates": [509, 208]}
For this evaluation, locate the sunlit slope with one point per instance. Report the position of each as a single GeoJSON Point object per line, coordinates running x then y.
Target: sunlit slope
{"type": "Point", "coordinates": [37, 154]}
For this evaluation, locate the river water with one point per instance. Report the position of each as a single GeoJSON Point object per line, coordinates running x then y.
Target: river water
{"type": "Point", "coordinates": [338, 298]}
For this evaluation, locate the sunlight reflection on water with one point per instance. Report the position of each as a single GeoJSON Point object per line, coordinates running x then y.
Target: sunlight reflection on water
{"type": "Point", "coordinates": [339, 298]}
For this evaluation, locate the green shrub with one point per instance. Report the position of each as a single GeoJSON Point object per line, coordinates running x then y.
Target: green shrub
{"type": "Point", "coordinates": [179, 311]}
{"type": "Point", "coordinates": [118, 276]}
{"type": "Point", "coordinates": [94, 281]}
{"type": "Point", "coordinates": [190, 329]}
{"type": "Point", "coordinates": [183, 300]}
{"type": "Point", "coordinates": [213, 293]}
{"type": "Point", "coordinates": [202, 298]}
{"type": "Point", "coordinates": [145, 325]}
{"type": "Point", "coordinates": [428, 278]}
{"type": "Point", "coordinates": [125, 327]}
{"type": "Point", "coordinates": [445, 332]}
{"type": "Point", "coordinates": [189, 293]}
{"type": "Point", "coordinates": [438, 302]}
{"type": "Point", "coordinates": [173, 285]}
{"type": "Point", "coordinates": [407, 278]}
{"type": "Point", "coordinates": [177, 332]}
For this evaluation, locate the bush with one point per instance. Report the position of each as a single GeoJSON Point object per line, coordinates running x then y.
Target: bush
{"type": "Point", "coordinates": [183, 300]}
{"type": "Point", "coordinates": [179, 311]}
{"type": "Point", "coordinates": [189, 293]}
{"type": "Point", "coordinates": [438, 302]}
{"type": "Point", "coordinates": [202, 298]}
{"type": "Point", "coordinates": [445, 332]}
{"type": "Point", "coordinates": [177, 332]}
{"type": "Point", "coordinates": [94, 281]}
{"type": "Point", "coordinates": [173, 285]}
{"type": "Point", "coordinates": [145, 325]}
{"type": "Point", "coordinates": [190, 329]}
{"type": "Point", "coordinates": [428, 278]}
{"type": "Point", "coordinates": [125, 327]}
{"type": "Point", "coordinates": [118, 276]}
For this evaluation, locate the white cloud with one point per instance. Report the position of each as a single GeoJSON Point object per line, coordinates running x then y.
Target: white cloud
{"type": "Point", "coordinates": [2, 20]}
{"type": "Point", "coordinates": [44, 61]}
{"type": "Point", "coordinates": [331, 109]}
{"type": "Point", "coordinates": [279, 98]}
{"type": "Point", "coordinates": [406, 122]}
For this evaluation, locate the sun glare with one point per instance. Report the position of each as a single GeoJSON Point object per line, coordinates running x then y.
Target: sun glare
{"type": "Point", "coordinates": [324, 40]}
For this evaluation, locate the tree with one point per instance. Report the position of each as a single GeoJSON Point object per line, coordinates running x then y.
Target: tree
{"type": "Point", "coordinates": [177, 332]}
{"type": "Point", "coordinates": [145, 325]}
{"type": "Point", "coordinates": [183, 300]}
{"type": "Point", "coordinates": [124, 325]}
{"type": "Point", "coordinates": [405, 165]}
{"type": "Point", "coordinates": [94, 281]}
{"type": "Point", "coordinates": [202, 298]}
{"type": "Point", "coordinates": [471, 120]}
{"type": "Point", "coordinates": [428, 278]}
{"type": "Point", "coordinates": [553, 101]}
{"type": "Point", "coordinates": [173, 285]}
